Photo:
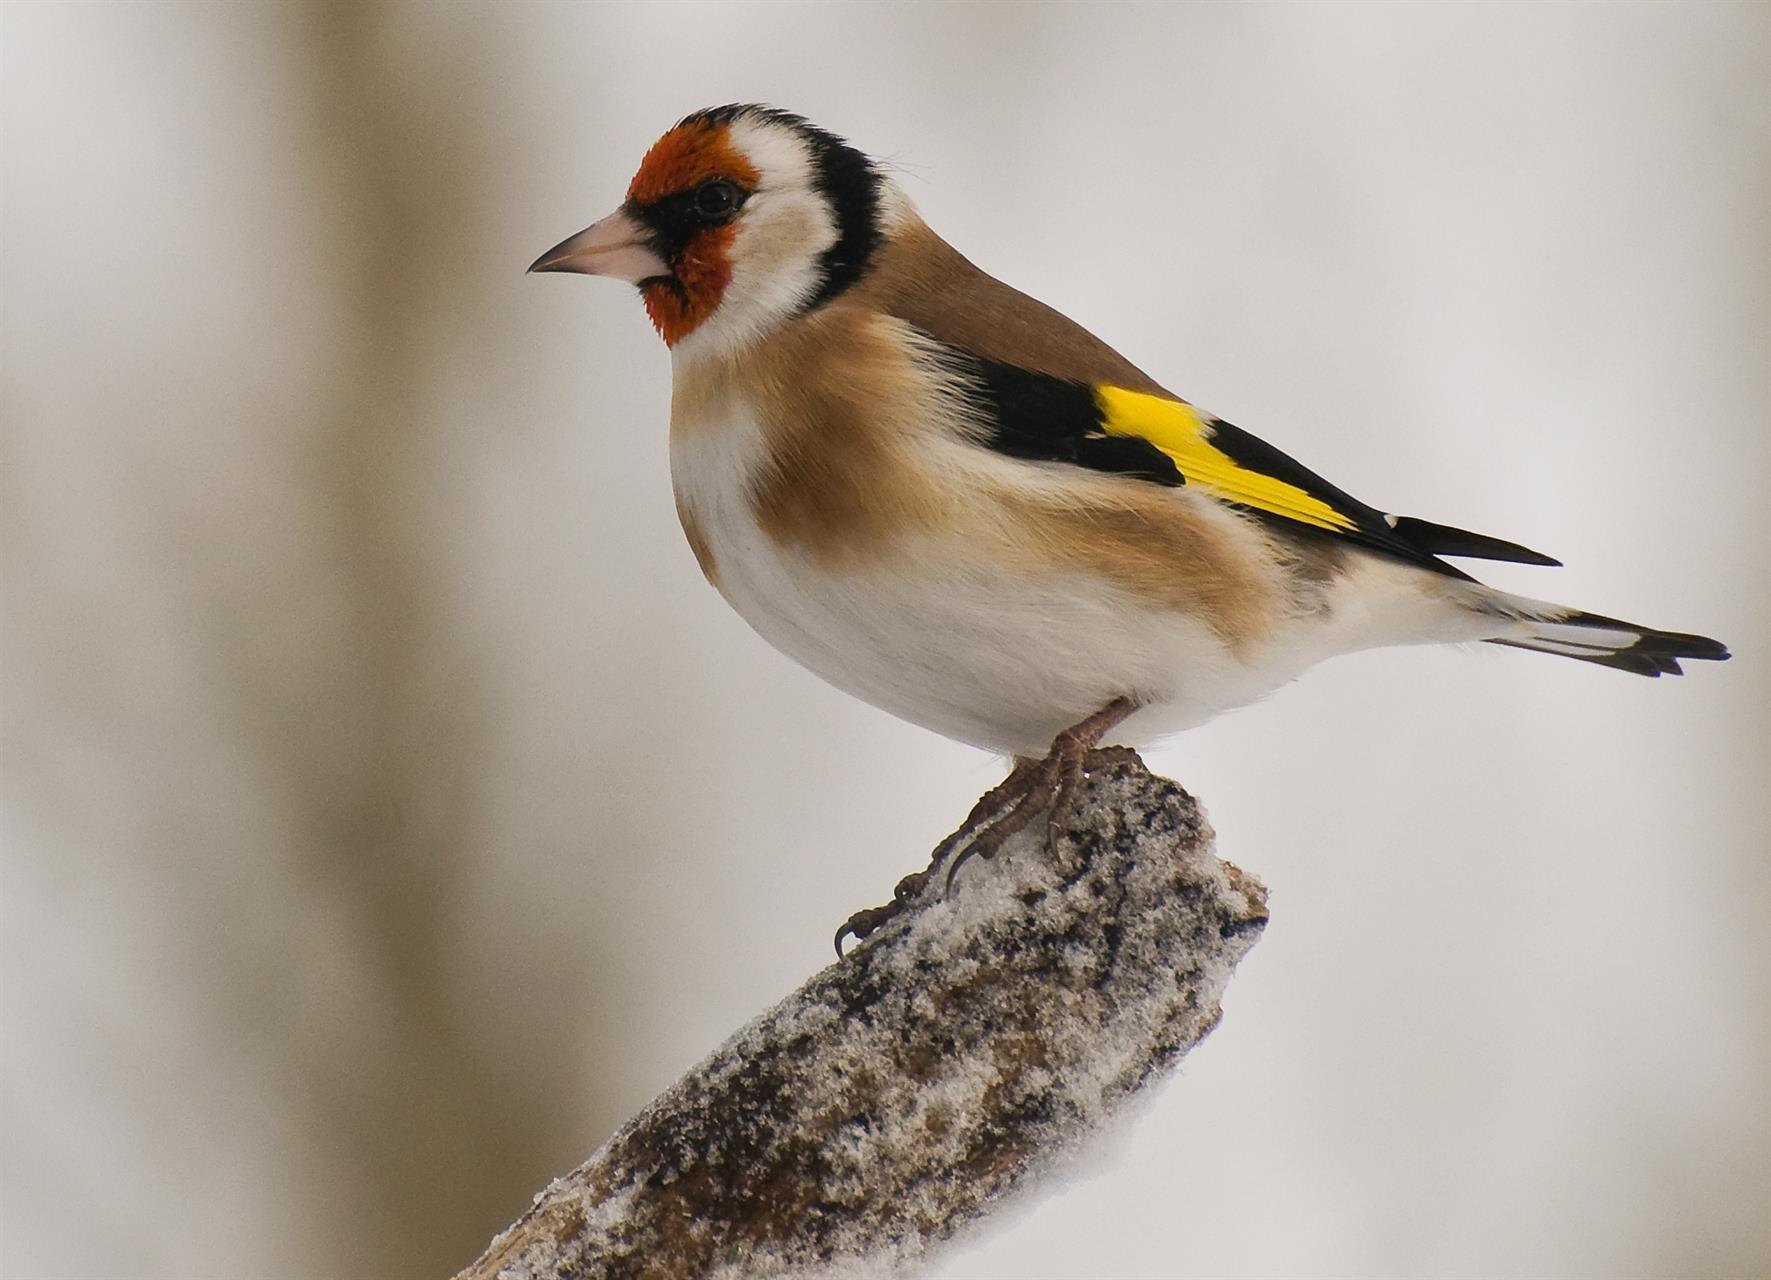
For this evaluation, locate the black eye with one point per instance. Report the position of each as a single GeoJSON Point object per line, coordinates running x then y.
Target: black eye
{"type": "Point", "coordinates": [716, 199]}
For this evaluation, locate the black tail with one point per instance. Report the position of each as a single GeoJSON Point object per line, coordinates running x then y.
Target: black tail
{"type": "Point", "coordinates": [1611, 642]}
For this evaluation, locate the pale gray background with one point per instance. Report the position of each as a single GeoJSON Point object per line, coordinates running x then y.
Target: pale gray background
{"type": "Point", "coordinates": [389, 809]}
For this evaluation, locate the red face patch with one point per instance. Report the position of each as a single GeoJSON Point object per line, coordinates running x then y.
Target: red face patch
{"type": "Point", "coordinates": [677, 307]}
{"type": "Point", "coordinates": [677, 163]}
{"type": "Point", "coordinates": [688, 155]}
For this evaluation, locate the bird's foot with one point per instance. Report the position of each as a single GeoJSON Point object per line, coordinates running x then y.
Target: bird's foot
{"type": "Point", "coordinates": [990, 808]}
{"type": "Point", "coordinates": [1049, 785]}
{"type": "Point", "coordinates": [869, 919]}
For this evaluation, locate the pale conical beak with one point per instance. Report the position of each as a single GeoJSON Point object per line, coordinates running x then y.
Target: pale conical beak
{"type": "Point", "coordinates": [618, 246]}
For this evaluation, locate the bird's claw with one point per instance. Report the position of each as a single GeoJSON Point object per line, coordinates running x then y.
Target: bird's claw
{"type": "Point", "coordinates": [1049, 785]}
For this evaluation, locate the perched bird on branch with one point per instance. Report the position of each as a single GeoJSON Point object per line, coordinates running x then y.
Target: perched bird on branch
{"type": "Point", "coordinates": [949, 500]}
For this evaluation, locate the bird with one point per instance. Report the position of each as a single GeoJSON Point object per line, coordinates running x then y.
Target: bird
{"type": "Point", "coordinates": [959, 505]}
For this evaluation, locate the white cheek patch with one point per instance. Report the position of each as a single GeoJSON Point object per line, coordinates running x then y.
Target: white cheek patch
{"type": "Point", "coordinates": [776, 258]}
{"type": "Point", "coordinates": [784, 230]}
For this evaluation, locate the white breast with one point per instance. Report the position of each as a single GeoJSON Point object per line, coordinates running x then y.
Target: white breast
{"type": "Point", "coordinates": [932, 629]}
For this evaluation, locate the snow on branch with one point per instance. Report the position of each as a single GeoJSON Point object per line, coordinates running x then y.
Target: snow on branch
{"type": "Point", "coordinates": [959, 1054]}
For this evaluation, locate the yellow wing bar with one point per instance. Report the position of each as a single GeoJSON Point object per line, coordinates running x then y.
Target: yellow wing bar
{"type": "Point", "coordinates": [1185, 435]}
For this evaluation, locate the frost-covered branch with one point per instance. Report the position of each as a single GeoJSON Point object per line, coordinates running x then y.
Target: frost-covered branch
{"type": "Point", "coordinates": [958, 1054]}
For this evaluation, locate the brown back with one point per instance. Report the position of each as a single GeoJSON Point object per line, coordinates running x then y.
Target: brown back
{"type": "Point", "coordinates": [924, 281]}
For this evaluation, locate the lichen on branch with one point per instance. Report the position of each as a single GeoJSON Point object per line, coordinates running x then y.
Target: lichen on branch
{"type": "Point", "coordinates": [956, 1056]}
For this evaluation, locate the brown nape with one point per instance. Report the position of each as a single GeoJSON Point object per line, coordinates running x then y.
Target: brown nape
{"type": "Point", "coordinates": [923, 280]}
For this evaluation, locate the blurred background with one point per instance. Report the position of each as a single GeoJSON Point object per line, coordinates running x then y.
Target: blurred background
{"type": "Point", "coordinates": [389, 809]}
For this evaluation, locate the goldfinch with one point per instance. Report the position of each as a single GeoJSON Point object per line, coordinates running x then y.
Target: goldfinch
{"type": "Point", "coordinates": [949, 500]}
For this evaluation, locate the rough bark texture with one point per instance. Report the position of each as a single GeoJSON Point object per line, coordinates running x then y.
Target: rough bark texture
{"type": "Point", "coordinates": [957, 1055]}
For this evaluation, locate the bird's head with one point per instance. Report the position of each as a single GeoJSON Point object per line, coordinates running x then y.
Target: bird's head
{"type": "Point", "coordinates": [739, 218]}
